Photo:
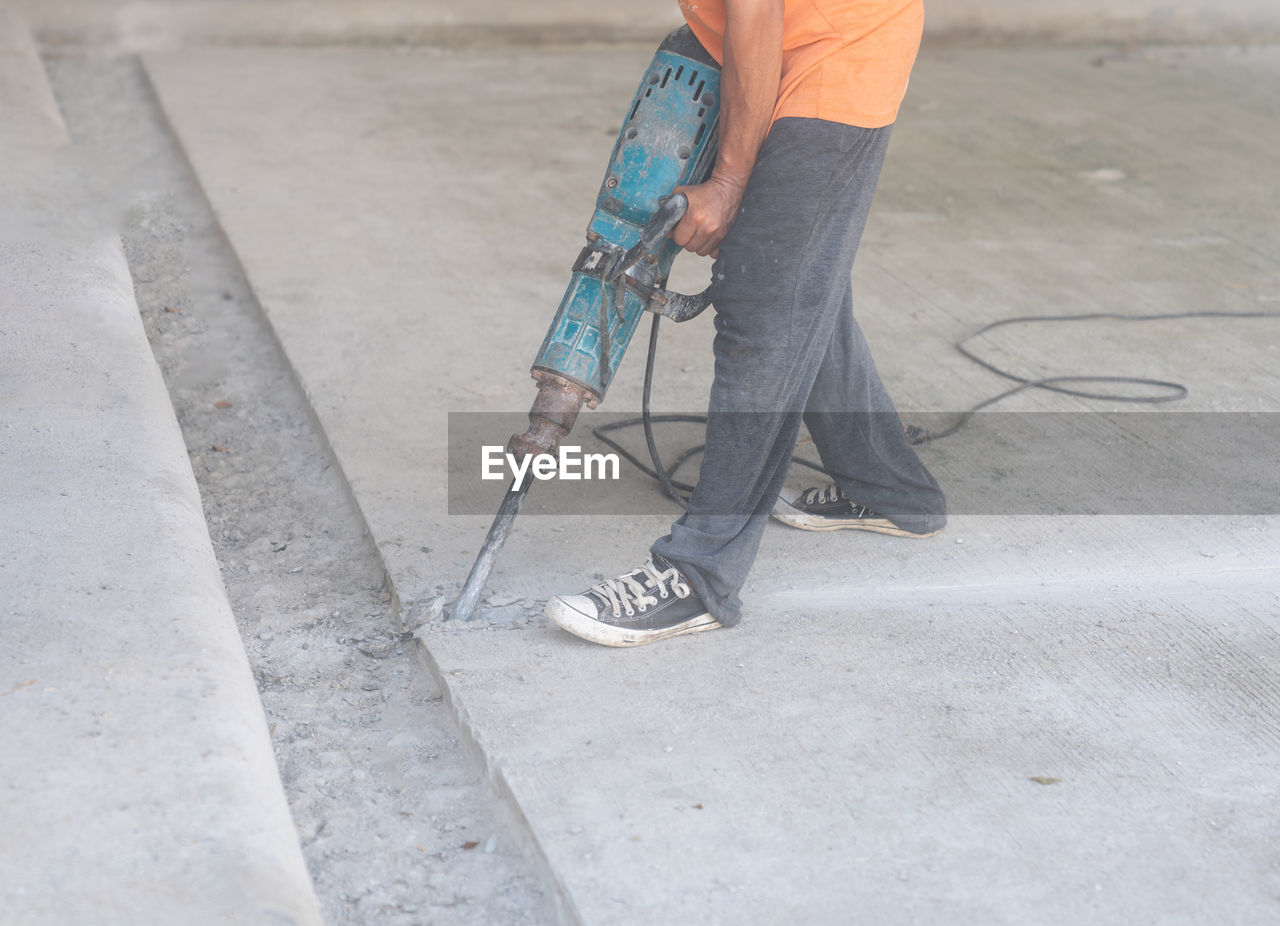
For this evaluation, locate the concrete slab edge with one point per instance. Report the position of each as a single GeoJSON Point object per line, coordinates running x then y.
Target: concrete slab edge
{"type": "Point", "coordinates": [137, 753]}
{"type": "Point", "coordinates": [294, 376]}
{"type": "Point", "coordinates": [517, 822]}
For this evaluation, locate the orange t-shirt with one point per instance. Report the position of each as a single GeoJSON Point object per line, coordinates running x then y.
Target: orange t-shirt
{"type": "Point", "coordinates": [842, 60]}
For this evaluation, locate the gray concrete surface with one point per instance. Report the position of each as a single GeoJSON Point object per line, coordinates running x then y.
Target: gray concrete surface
{"type": "Point", "coordinates": [133, 25]}
{"type": "Point", "coordinates": [1106, 20]}
{"type": "Point", "coordinates": [867, 743]}
{"type": "Point", "coordinates": [139, 783]}
{"type": "Point", "coordinates": [32, 121]}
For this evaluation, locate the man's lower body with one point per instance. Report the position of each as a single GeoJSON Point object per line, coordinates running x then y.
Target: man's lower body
{"type": "Point", "coordinates": [787, 351]}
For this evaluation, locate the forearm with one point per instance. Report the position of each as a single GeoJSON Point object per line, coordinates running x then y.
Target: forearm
{"type": "Point", "coordinates": [750, 78]}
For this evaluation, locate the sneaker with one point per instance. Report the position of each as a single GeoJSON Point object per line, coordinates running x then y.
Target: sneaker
{"type": "Point", "coordinates": [646, 604]}
{"type": "Point", "coordinates": [829, 509]}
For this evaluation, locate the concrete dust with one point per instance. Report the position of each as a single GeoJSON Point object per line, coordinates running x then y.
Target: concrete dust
{"type": "Point", "coordinates": [395, 824]}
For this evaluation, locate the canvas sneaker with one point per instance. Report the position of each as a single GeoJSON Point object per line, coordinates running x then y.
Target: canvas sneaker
{"type": "Point", "coordinates": [646, 604]}
{"type": "Point", "coordinates": [827, 508]}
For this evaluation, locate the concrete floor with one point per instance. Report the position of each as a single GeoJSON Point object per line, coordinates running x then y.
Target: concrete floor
{"type": "Point", "coordinates": [866, 744]}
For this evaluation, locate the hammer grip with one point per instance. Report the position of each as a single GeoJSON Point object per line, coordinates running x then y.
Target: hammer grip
{"type": "Point", "coordinates": [671, 210]}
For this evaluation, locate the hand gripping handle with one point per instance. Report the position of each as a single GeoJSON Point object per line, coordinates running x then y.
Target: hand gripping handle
{"type": "Point", "coordinates": [676, 306]}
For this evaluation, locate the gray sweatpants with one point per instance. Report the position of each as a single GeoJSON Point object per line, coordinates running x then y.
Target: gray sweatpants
{"type": "Point", "coordinates": [787, 348]}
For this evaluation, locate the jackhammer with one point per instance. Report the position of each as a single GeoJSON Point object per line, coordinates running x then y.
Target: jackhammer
{"type": "Point", "coordinates": [668, 139]}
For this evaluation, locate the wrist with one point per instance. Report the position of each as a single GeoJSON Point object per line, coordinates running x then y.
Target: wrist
{"type": "Point", "coordinates": [730, 179]}
{"type": "Point", "coordinates": [731, 185]}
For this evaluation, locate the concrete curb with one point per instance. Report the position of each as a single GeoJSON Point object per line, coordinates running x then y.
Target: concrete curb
{"type": "Point", "coordinates": [140, 785]}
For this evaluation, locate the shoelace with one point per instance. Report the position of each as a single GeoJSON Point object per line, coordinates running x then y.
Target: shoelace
{"type": "Point", "coordinates": [832, 494]}
{"type": "Point", "coordinates": [629, 593]}
{"type": "Point", "coordinates": [828, 495]}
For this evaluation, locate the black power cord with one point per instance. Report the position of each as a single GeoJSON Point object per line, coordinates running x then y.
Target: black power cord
{"type": "Point", "coordinates": [677, 491]}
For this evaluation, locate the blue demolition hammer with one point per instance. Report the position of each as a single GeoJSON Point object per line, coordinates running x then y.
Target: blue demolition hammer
{"type": "Point", "coordinates": [668, 139]}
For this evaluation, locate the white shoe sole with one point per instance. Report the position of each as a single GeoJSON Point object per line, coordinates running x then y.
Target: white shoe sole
{"type": "Point", "coordinates": [581, 624]}
{"type": "Point", "coordinates": [793, 517]}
